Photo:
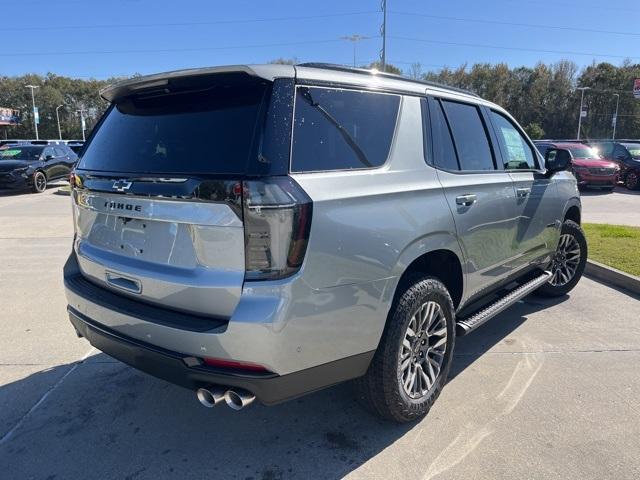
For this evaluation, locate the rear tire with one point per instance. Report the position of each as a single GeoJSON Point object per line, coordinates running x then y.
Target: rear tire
{"type": "Point", "coordinates": [39, 182]}
{"type": "Point", "coordinates": [421, 361]}
{"type": "Point", "coordinates": [568, 263]}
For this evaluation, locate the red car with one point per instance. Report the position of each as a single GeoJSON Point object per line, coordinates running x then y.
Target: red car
{"type": "Point", "coordinates": [589, 168]}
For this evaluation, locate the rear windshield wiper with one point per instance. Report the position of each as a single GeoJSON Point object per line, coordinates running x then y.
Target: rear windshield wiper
{"type": "Point", "coordinates": [306, 94]}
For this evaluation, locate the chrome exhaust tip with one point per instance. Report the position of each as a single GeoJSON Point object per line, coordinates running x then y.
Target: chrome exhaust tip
{"type": "Point", "coordinates": [238, 399]}
{"type": "Point", "coordinates": [210, 396]}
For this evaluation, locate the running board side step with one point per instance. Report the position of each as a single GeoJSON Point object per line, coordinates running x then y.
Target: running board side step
{"type": "Point", "coordinates": [471, 323]}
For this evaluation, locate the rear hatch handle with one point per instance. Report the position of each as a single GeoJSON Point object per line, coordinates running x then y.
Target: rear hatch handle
{"type": "Point", "coordinates": [123, 283]}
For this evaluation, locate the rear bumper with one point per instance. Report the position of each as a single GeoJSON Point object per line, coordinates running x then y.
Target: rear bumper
{"type": "Point", "coordinates": [304, 353]}
{"type": "Point", "coordinates": [170, 366]}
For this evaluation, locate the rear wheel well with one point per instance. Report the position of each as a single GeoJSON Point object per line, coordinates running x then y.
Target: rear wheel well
{"type": "Point", "coordinates": [441, 264]}
{"type": "Point", "coordinates": [573, 214]}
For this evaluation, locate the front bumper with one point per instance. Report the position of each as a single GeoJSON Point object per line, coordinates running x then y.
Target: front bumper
{"type": "Point", "coordinates": [587, 179]}
{"type": "Point", "coordinates": [11, 180]}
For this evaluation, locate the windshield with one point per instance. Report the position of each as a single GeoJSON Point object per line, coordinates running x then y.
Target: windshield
{"type": "Point", "coordinates": [211, 130]}
{"type": "Point", "coordinates": [634, 150]}
{"type": "Point", "coordinates": [21, 153]}
{"type": "Point", "coordinates": [585, 153]}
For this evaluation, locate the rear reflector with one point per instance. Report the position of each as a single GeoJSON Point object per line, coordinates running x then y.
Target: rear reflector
{"type": "Point", "coordinates": [233, 364]}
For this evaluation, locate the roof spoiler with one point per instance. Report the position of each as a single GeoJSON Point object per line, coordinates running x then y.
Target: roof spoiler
{"type": "Point", "coordinates": [124, 88]}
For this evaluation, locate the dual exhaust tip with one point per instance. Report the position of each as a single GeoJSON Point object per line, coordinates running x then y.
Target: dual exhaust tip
{"type": "Point", "coordinates": [236, 399]}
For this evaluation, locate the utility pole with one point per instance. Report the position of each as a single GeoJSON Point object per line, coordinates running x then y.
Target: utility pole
{"type": "Point", "coordinates": [81, 112]}
{"type": "Point", "coordinates": [36, 118]}
{"type": "Point", "coordinates": [58, 119]}
{"type": "Point", "coordinates": [354, 39]}
{"type": "Point", "coordinates": [615, 116]}
{"type": "Point", "coordinates": [581, 102]}
{"type": "Point", "coordinates": [383, 32]}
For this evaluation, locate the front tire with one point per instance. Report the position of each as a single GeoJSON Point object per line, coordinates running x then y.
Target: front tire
{"type": "Point", "coordinates": [411, 364]}
{"type": "Point", "coordinates": [39, 182]}
{"type": "Point", "coordinates": [568, 262]}
{"type": "Point", "coordinates": [631, 181]}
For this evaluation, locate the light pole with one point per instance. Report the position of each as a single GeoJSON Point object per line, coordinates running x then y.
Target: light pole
{"type": "Point", "coordinates": [581, 101]}
{"type": "Point", "coordinates": [81, 112]}
{"type": "Point", "coordinates": [354, 39]}
{"type": "Point", "coordinates": [383, 31]}
{"type": "Point", "coordinates": [615, 115]}
{"type": "Point", "coordinates": [58, 119]}
{"type": "Point", "coordinates": [35, 112]}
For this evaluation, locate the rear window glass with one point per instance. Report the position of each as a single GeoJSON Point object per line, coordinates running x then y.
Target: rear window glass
{"type": "Point", "coordinates": [469, 135]}
{"type": "Point", "coordinates": [337, 129]}
{"type": "Point", "coordinates": [206, 131]}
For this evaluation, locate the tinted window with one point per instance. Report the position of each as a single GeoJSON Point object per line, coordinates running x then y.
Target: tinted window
{"type": "Point", "coordinates": [20, 153]}
{"type": "Point", "coordinates": [516, 152]}
{"type": "Point", "coordinates": [212, 130]}
{"type": "Point", "coordinates": [59, 152]}
{"type": "Point", "coordinates": [49, 152]}
{"type": "Point", "coordinates": [444, 154]}
{"type": "Point", "coordinates": [469, 135]}
{"type": "Point", "coordinates": [338, 129]}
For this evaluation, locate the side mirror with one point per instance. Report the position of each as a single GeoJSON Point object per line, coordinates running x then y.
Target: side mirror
{"type": "Point", "coordinates": [557, 160]}
{"type": "Point", "coordinates": [48, 157]}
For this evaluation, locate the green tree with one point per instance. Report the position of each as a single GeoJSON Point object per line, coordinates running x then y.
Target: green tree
{"type": "Point", "coordinates": [534, 131]}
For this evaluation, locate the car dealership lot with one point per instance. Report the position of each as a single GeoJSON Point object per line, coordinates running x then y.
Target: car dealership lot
{"type": "Point", "coordinates": [549, 389]}
{"type": "Point", "coordinates": [620, 207]}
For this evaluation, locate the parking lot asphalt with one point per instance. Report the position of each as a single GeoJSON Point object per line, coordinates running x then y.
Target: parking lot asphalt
{"type": "Point", "coordinates": [620, 207]}
{"type": "Point", "coordinates": [549, 389]}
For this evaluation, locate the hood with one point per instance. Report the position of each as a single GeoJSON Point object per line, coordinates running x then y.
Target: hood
{"type": "Point", "coordinates": [9, 165]}
{"type": "Point", "coordinates": [593, 163]}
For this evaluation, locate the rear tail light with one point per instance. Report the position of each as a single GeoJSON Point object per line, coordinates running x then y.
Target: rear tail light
{"type": "Point", "coordinates": [277, 221]}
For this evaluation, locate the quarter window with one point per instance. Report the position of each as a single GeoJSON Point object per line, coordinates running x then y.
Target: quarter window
{"type": "Point", "coordinates": [469, 135]}
{"type": "Point", "coordinates": [516, 152]}
{"type": "Point", "coordinates": [444, 153]}
{"type": "Point", "coordinates": [336, 129]}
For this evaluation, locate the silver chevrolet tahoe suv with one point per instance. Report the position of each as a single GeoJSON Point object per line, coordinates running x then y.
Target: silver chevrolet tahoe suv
{"type": "Point", "coordinates": [267, 231]}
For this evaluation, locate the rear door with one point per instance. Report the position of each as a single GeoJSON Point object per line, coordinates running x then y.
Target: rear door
{"type": "Point", "coordinates": [537, 206]}
{"type": "Point", "coordinates": [480, 196]}
{"type": "Point", "coordinates": [158, 192]}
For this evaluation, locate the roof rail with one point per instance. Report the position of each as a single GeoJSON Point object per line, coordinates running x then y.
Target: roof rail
{"type": "Point", "coordinates": [364, 71]}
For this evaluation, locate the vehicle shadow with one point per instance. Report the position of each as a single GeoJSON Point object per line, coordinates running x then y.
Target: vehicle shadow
{"type": "Point", "coordinates": [115, 422]}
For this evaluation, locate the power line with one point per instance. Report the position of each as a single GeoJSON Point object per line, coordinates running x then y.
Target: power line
{"type": "Point", "coordinates": [519, 49]}
{"type": "Point", "coordinates": [171, 50]}
{"type": "Point", "coordinates": [187, 24]}
{"type": "Point", "coordinates": [514, 24]}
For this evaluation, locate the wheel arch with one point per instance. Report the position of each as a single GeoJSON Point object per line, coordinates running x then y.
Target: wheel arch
{"type": "Point", "coordinates": [439, 256]}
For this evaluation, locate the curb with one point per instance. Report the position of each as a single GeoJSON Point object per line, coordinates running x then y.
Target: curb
{"type": "Point", "coordinates": [612, 276]}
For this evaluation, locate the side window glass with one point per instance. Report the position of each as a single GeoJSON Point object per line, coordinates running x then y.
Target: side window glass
{"type": "Point", "coordinates": [59, 152]}
{"type": "Point", "coordinates": [48, 152]}
{"type": "Point", "coordinates": [516, 152]}
{"type": "Point", "coordinates": [340, 129]}
{"type": "Point", "coordinates": [444, 153]}
{"type": "Point", "coordinates": [469, 135]}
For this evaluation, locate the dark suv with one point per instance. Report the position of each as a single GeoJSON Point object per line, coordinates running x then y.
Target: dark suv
{"type": "Point", "coordinates": [33, 166]}
{"type": "Point", "coordinates": [627, 155]}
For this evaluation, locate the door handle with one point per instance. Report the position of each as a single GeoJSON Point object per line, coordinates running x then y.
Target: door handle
{"type": "Point", "coordinates": [466, 200]}
{"type": "Point", "coordinates": [522, 192]}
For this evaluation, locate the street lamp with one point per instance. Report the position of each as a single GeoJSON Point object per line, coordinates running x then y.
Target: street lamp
{"type": "Point", "coordinates": [35, 112]}
{"type": "Point", "coordinates": [615, 115]}
{"type": "Point", "coordinates": [58, 119]}
{"type": "Point", "coordinates": [354, 39]}
{"type": "Point", "coordinates": [81, 112]}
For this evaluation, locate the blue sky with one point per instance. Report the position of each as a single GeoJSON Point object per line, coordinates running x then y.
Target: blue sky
{"type": "Point", "coordinates": [89, 38]}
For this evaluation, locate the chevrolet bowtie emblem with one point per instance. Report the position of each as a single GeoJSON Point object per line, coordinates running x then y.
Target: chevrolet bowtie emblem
{"type": "Point", "coordinates": [121, 185]}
